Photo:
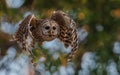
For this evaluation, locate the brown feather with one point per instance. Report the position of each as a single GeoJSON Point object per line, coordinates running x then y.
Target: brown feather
{"type": "Point", "coordinates": [68, 31]}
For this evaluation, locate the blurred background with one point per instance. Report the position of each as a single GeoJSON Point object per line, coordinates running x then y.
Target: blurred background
{"type": "Point", "coordinates": [98, 23]}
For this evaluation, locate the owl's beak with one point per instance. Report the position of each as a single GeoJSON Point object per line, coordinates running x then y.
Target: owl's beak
{"type": "Point", "coordinates": [51, 32]}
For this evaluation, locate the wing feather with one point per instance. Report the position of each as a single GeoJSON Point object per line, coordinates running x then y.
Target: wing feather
{"type": "Point", "coordinates": [23, 32]}
{"type": "Point", "coordinates": [68, 31]}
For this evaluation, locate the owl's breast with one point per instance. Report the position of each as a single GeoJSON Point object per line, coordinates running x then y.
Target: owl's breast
{"type": "Point", "coordinates": [38, 35]}
{"type": "Point", "coordinates": [48, 37]}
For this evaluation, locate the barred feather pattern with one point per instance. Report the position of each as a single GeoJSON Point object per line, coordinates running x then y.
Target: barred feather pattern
{"type": "Point", "coordinates": [68, 31]}
{"type": "Point", "coordinates": [74, 40]}
{"type": "Point", "coordinates": [65, 28]}
{"type": "Point", "coordinates": [23, 33]}
{"type": "Point", "coordinates": [36, 34]}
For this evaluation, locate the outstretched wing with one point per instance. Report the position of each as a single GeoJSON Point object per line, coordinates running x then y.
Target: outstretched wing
{"type": "Point", "coordinates": [68, 31]}
{"type": "Point", "coordinates": [23, 33]}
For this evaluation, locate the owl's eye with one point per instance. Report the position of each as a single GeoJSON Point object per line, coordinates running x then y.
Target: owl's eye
{"type": "Point", "coordinates": [54, 28]}
{"type": "Point", "coordinates": [47, 27]}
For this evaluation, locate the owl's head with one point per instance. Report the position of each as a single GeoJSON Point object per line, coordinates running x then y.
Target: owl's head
{"type": "Point", "coordinates": [49, 29]}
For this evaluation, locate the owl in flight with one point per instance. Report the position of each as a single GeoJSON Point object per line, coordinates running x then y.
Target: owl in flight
{"type": "Point", "coordinates": [58, 25]}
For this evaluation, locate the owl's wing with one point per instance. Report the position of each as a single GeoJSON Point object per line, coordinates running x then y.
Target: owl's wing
{"type": "Point", "coordinates": [23, 32]}
{"type": "Point", "coordinates": [68, 31]}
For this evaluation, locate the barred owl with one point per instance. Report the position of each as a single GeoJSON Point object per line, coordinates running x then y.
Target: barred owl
{"type": "Point", "coordinates": [59, 25]}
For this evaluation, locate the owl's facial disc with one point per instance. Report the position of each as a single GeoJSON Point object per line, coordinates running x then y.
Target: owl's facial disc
{"type": "Point", "coordinates": [50, 30]}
